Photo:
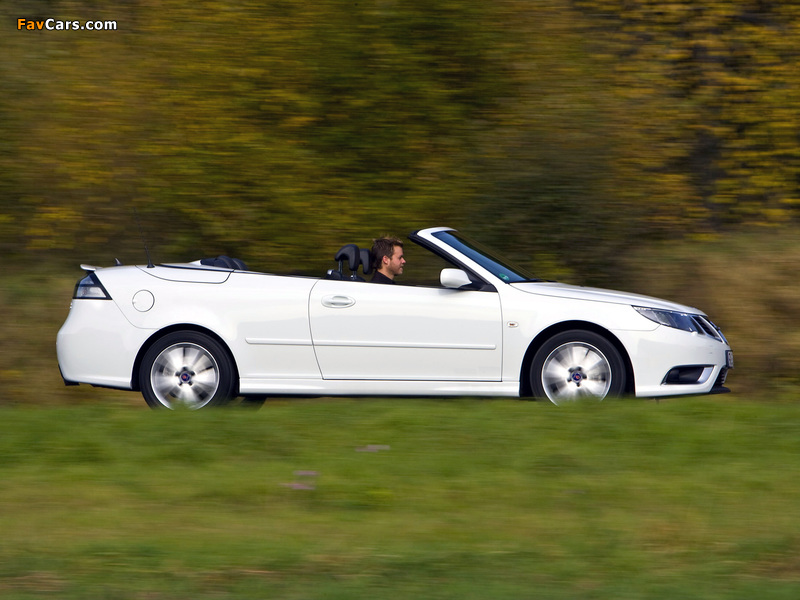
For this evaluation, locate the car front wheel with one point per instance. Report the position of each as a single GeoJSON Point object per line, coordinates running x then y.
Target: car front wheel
{"type": "Point", "coordinates": [186, 370]}
{"type": "Point", "coordinates": [577, 364]}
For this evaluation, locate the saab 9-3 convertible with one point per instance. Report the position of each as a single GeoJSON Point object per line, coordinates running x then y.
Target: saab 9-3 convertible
{"type": "Point", "coordinates": [199, 334]}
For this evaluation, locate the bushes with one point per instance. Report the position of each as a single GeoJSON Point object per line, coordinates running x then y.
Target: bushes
{"type": "Point", "coordinates": [747, 283]}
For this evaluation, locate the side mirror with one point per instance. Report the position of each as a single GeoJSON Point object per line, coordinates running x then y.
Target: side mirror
{"type": "Point", "coordinates": [454, 278]}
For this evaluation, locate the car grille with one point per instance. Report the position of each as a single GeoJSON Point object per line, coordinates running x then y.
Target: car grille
{"type": "Point", "coordinates": [723, 375]}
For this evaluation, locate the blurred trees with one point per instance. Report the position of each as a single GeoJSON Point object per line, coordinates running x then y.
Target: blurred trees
{"type": "Point", "coordinates": [727, 71]}
{"type": "Point", "coordinates": [564, 131]}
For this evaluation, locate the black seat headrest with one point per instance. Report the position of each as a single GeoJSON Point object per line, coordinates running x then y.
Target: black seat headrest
{"type": "Point", "coordinates": [224, 262]}
{"type": "Point", "coordinates": [366, 260]}
{"type": "Point", "coordinates": [351, 254]}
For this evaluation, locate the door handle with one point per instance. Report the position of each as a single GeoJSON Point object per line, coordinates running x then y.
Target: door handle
{"type": "Point", "coordinates": [338, 301]}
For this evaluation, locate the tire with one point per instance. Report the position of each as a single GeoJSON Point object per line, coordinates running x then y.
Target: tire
{"type": "Point", "coordinates": [575, 365]}
{"type": "Point", "coordinates": [187, 369]}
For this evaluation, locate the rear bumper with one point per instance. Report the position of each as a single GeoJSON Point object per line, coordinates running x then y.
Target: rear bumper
{"type": "Point", "coordinates": [97, 345]}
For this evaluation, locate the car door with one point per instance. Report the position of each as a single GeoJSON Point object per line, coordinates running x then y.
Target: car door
{"type": "Point", "coordinates": [395, 332]}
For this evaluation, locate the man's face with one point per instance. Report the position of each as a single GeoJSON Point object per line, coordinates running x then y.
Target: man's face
{"type": "Point", "coordinates": [394, 265]}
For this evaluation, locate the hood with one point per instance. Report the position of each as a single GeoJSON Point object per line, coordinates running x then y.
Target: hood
{"type": "Point", "coordinates": [577, 292]}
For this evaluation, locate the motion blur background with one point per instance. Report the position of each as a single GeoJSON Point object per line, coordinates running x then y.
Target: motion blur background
{"type": "Point", "coordinates": [635, 144]}
{"type": "Point", "coordinates": [648, 146]}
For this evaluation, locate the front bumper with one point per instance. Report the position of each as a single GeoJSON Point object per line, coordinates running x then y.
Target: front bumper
{"type": "Point", "coordinates": [656, 355]}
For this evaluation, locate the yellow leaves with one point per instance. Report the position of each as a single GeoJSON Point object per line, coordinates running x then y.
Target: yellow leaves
{"type": "Point", "coordinates": [776, 216]}
{"type": "Point", "coordinates": [733, 71]}
{"type": "Point", "coordinates": [257, 120]}
{"type": "Point", "coordinates": [53, 227]}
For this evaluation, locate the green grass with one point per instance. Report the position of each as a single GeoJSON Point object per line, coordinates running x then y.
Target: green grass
{"type": "Point", "coordinates": [691, 498]}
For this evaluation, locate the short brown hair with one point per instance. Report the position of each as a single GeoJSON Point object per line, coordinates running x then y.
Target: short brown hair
{"type": "Point", "coordinates": [384, 246]}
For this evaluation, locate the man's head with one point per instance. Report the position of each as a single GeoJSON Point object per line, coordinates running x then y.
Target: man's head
{"type": "Point", "coordinates": [388, 253]}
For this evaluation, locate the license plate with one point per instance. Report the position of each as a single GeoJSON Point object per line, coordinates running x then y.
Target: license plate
{"type": "Point", "coordinates": [729, 358]}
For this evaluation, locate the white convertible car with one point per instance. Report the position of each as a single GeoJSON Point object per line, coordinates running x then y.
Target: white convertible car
{"type": "Point", "coordinates": [201, 333]}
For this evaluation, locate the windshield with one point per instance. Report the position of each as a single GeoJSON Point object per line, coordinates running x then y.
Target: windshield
{"type": "Point", "coordinates": [499, 267]}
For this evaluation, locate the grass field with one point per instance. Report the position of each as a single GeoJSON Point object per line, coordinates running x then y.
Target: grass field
{"type": "Point", "coordinates": [687, 498]}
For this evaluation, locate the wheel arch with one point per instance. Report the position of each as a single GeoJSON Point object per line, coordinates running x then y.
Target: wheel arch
{"type": "Point", "coordinates": [172, 329]}
{"type": "Point", "coordinates": [524, 377]}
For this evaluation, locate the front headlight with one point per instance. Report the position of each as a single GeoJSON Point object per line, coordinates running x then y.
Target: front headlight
{"type": "Point", "coordinates": [670, 318]}
{"type": "Point", "coordinates": [699, 324]}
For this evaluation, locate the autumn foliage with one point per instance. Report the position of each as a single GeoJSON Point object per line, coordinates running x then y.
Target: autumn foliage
{"type": "Point", "coordinates": [279, 130]}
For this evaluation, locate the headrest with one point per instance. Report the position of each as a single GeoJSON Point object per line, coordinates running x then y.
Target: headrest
{"type": "Point", "coordinates": [351, 254]}
{"type": "Point", "coordinates": [224, 262]}
{"type": "Point", "coordinates": [366, 261]}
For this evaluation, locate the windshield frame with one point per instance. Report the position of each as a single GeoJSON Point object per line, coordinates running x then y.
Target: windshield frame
{"type": "Point", "coordinates": [499, 267]}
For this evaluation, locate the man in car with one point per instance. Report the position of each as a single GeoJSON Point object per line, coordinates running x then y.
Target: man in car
{"type": "Point", "coordinates": [388, 257]}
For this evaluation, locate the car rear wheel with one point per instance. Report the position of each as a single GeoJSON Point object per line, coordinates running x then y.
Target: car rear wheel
{"type": "Point", "coordinates": [186, 369]}
{"type": "Point", "coordinates": [574, 365]}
